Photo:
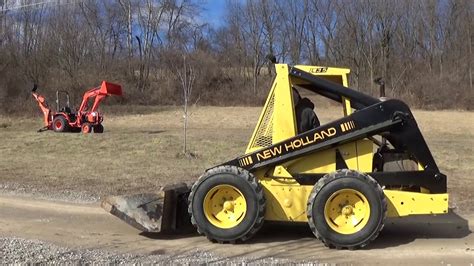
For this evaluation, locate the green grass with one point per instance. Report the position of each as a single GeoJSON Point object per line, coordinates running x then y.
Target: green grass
{"type": "Point", "coordinates": [141, 152]}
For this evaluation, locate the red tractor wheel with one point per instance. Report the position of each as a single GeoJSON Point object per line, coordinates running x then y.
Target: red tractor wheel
{"type": "Point", "coordinates": [60, 124]}
{"type": "Point", "coordinates": [86, 128]}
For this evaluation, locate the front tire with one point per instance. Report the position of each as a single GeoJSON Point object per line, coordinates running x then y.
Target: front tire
{"type": "Point", "coordinates": [346, 209]}
{"type": "Point", "coordinates": [227, 204]}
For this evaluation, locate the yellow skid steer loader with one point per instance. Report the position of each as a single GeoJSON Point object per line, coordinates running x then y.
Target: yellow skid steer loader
{"type": "Point", "coordinates": [342, 178]}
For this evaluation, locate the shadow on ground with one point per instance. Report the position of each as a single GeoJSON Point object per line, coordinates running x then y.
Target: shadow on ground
{"type": "Point", "coordinates": [152, 132]}
{"type": "Point", "coordinates": [397, 231]}
{"type": "Point", "coordinates": [168, 236]}
{"type": "Point", "coordinates": [400, 231]}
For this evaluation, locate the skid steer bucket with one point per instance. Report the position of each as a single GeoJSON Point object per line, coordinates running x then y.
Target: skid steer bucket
{"type": "Point", "coordinates": [164, 211]}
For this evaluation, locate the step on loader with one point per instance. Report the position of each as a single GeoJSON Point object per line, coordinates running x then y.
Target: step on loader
{"type": "Point", "coordinates": [342, 178]}
{"type": "Point", "coordinates": [85, 119]}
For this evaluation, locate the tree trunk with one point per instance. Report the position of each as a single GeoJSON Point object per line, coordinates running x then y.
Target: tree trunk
{"type": "Point", "coordinates": [469, 43]}
{"type": "Point", "coordinates": [185, 133]}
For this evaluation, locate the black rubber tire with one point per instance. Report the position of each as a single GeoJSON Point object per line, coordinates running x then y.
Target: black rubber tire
{"type": "Point", "coordinates": [251, 190]}
{"type": "Point", "coordinates": [99, 128]}
{"type": "Point", "coordinates": [333, 182]}
{"type": "Point", "coordinates": [60, 120]}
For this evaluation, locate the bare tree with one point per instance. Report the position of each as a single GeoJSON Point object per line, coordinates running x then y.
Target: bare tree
{"type": "Point", "coordinates": [295, 16]}
{"type": "Point", "coordinates": [187, 76]}
{"type": "Point", "coordinates": [422, 48]}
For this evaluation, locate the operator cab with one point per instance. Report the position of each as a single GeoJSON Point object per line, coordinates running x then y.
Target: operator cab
{"type": "Point", "coordinates": [289, 110]}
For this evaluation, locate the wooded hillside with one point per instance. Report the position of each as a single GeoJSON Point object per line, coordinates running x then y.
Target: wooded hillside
{"type": "Point", "coordinates": [423, 49]}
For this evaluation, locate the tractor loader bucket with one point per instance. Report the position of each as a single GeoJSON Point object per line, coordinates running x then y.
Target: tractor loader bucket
{"type": "Point", "coordinates": [164, 211]}
{"type": "Point", "coordinates": [110, 88]}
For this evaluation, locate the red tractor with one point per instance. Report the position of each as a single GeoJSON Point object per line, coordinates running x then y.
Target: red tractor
{"type": "Point", "coordinates": [85, 119]}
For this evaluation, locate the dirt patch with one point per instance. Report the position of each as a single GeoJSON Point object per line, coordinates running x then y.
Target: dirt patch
{"type": "Point", "coordinates": [100, 237]}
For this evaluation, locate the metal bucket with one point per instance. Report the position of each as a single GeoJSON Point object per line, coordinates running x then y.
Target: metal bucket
{"type": "Point", "coordinates": [164, 211]}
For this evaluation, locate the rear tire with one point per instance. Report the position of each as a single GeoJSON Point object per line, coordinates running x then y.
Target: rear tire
{"type": "Point", "coordinates": [99, 128]}
{"type": "Point", "coordinates": [86, 128]}
{"type": "Point", "coordinates": [346, 209]}
{"type": "Point", "coordinates": [227, 204]}
{"type": "Point", "coordinates": [60, 124]}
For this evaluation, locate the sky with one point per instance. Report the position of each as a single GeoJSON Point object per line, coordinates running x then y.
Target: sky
{"type": "Point", "coordinates": [214, 11]}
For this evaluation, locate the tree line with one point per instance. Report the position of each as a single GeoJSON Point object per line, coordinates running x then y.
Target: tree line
{"type": "Point", "coordinates": [422, 49]}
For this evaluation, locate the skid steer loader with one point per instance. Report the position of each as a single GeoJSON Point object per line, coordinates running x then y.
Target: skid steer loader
{"type": "Point", "coordinates": [342, 178]}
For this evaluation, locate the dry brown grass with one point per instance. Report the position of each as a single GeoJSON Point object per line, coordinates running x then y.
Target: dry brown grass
{"type": "Point", "coordinates": [140, 152]}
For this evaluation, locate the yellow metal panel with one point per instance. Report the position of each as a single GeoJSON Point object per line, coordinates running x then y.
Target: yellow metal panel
{"type": "Point", "coordinates": [345, 81]}
{"type": "Point", "coordinates": [286, 200]}
{"type": "Point", "coordinates": [357, 155]}
{"type": "Point", "coordinates": [365, 154]}
{"type": "Point", "coordinates": [346, 103]}
{"type": "Point", "coordinates": [403, 203]}
{"type": "Point", "coordinates": [280, 171]}
{"type": "Point", "coordinates": [320, 162]}
{"type": "Point", "coordinates": [284, 122]}
{"type": "Point", "coordinates": [420, 167]}
{"type": "Point", "coordinates": [349, 154]}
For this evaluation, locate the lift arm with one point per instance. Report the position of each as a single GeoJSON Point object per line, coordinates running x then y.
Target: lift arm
{"type": "Point", "coordinates": [95, 92]}
{"type": "Point", "coordinates": [99, 93]}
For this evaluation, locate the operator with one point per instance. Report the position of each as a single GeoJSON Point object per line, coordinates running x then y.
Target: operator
{"type": "Point", "coordinates": [306, 118]}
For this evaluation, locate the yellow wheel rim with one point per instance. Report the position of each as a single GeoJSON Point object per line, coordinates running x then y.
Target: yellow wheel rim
{"type": "Point", "coordinates": [225, 206]}
{"type": "Point", "coordinates": [347, 211]}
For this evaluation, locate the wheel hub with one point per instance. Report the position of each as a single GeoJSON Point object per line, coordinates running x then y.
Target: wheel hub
{"type": "Point", "coordinates": [347, 211]}
{"type": "Point", "coordinates": [225, 206]}
{"type": "Point", "coordinates": [229, 205]}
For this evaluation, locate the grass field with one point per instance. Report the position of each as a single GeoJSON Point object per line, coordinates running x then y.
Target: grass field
{"type": "Point", "coordinates": [142, 151]}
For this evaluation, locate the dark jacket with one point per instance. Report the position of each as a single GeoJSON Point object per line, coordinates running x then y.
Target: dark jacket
{"type": "Point", "coordinates": [306, 119]}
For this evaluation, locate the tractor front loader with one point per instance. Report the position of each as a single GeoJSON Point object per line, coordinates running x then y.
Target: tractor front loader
{"type": "Point", "coordinates": [342, 178]}
{"type": "Point", "coordinates": [85, 118]}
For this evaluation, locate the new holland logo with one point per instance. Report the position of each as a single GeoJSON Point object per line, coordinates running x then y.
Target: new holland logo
{"type": "Point", "coordinates": [346, 126]}
{"type": "Point", "coordinates": [296, 144]}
